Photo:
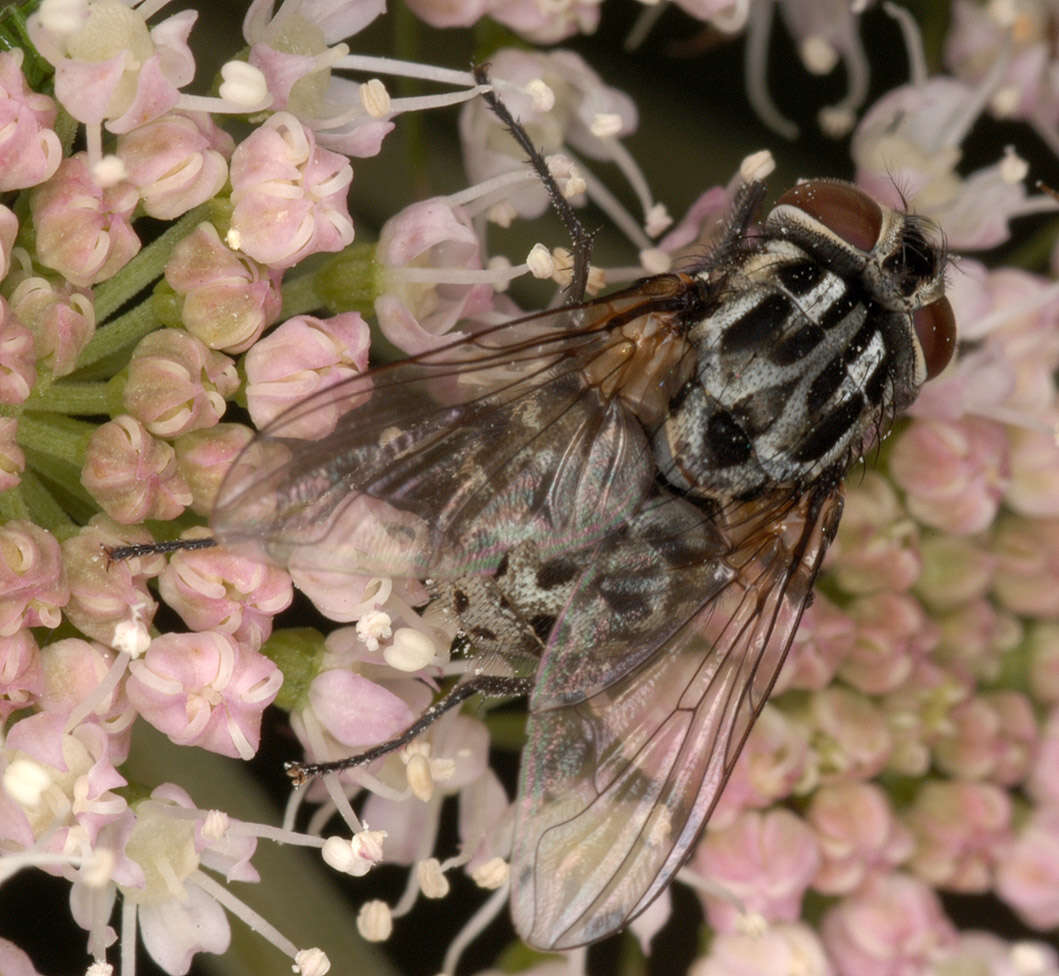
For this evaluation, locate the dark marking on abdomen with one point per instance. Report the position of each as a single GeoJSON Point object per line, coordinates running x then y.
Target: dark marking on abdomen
{"type": "Point", "coordinates": [830, 429]}
{"type": "Point", "coordinates": [756, 324]}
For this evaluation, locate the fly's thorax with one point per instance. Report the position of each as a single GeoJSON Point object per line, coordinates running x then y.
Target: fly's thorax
{"type": "Point", "coordinates": [823, 328]}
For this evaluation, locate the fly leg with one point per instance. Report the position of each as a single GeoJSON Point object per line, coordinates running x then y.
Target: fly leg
{"type": "Point", "coordinates": [580, 238]}
{"type": "Point", "coordinates": [493, 686]}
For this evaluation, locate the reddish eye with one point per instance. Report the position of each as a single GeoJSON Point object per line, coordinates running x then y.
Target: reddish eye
{"type": "Point", "coordinates": [936, 330]}
{"type": "Point", "coordinates": [843, 209]}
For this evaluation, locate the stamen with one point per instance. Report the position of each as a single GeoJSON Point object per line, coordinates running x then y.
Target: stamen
{"type": "Point", "coordinates": [375, 98]}
{"type": "Point", "coordinates": [374, 921]}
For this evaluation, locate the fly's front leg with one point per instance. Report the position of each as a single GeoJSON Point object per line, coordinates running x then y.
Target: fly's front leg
{"type": "Point", "coordinates": [580, 238]}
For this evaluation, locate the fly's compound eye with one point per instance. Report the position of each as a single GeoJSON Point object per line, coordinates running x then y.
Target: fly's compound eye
{"type": "Point", "coordinates": [935, 327]}
{"type": "Point", "coordinates": [844, 210]}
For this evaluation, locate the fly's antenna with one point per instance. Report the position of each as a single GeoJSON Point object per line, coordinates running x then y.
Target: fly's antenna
{"type": "Point", "coordinates": [580, 238]}
{"type": "Point", "coordinates": [150, 548]}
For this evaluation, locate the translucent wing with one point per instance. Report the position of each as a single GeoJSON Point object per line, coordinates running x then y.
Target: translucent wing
{"type": "Point", "coordinates": [458, 455]}
{"type": "Point", "coordinates": [651, 680]}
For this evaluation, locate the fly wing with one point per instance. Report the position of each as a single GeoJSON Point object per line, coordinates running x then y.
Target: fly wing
{"type": "Point", "coordinates": [457, 456]}
{"type": "Point", "coordinates": [651, 680]}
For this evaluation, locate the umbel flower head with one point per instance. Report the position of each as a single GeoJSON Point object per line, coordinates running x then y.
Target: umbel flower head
{"type": "Point", "coordinates": [183, 260]}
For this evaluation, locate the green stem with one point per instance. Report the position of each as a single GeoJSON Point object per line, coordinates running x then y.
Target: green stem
{"type": "Point", "coordinates": [348, 282]}
{"type": "Point", "coordinates": [43, 509]}
{"type": "Point", "coordinates": [83, 399]}
{"type": "Point", "coordinates": [13, 505]}
{"type": "Point", "coordinates": [57, 437]}
{"type": "Point", "coordinates": [300, 296]}
{"type": "Point", "coordinates": [119, 333]}
{"type": "Point", "coordinates": [146, 267]}
{"type": "Point", "coordinates": [65, 485]}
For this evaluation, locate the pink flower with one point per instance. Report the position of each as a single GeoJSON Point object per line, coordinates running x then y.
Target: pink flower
{"type": "Point", "coordinates": [60, 316]}
{"type": "Point", "coordinates": [1008, 374]}
{"type": "Point", "coordinates": [377, 716]}
{"type": "Point", "coordinates": [12, 460]}
{"type": "Point", "coordinates": [783, 948]}
{"type": "Point", "coordinates": [432, 236]}
{"type": "Point", "coordinates": [876, 547]}
{"type": "Point", "coordinates": [1043, 781]}
{"type": "Point", "coordinates": [21, 681]}
{"type": "Point", "coordinates": [83, 231]}
{"type": "Point", "coordinates": [177, 384]}
{"type": "Point", "coordinates": [80, 680]}
{"type": "Point", "coordinates": [343, 597]}
{"type": "Point", "coordinates": [216, 590]}
{"type": "Point", "coordinates": [1042, 645]}
{"type": "Point", "coordinates": [292, 51]}
{"type": "Point", "coordinates": [132, 475]}
{"type": "Point", "coordinates": [848, 735]}
{"type": "Point", "coordinates": [289, 196]}
{"type": "Point", "coordinates": [14, 962]}
{"type": "Point", "coordinates": [892, 634]}
{"type": "Point", "coordinates": [992, 736]}
{"type": "Point", "coordinates": [112, 66]}
{"type": "Point", "coordinates": [918, 715]}
{"type": "Point", "coordinates": [304, 356]}
{"type": "Point", "coordinates": [448, 760]}
{"type": "Point", "coordinates": [771, 764]}
{"type": "Point", "coordinates": [981, 38]}
{"type": "Point", "coordinates": [988, 955]}
{"type": "Point", "coordinates": [582, 98]}
{"type": "Point", "coordinates": [168, 842]}
{"type": "Point", "coordinates": [176, 162]}
{"type": "Point", "coordinates": [910, 139]}
{"type": "Point", "coordinates": [73, 789]}
{"type": "Point", "coordinates": [857, 834]}
{"type": "Point", "coordinates": [205, 690]}
{"type": "Point", "coordinates": [542, 24]}
{"type": "Point", "coordinates": [822, 641]}
{"type": "Point", "coordinates": [974, 640]}
{"type": "Point", "coordinates": [29, 148]}
{"type": "Point", "coordinates": [1026, 580]}
{"type": "Point", "coordinates": [33, 587]}
{"type": "Point", "coordinates": [1034, 487]}
{"type": "Point", "coordinates": [765, 860]}
{"type": "Point", "coordinates": [894, 926]}
{"type": "Point", "coordinates": [204, 457]}
{"type": "Point", "coordinates": [956, 570]}
{"type": "Point", "coordinates": [228, 299]}
{"type": "Point", "coordinates": [1028, 875]}
{"type": "Point", "coordinates": [955, 473]}
{"type": "Point", "coordinates": [961, 832]}
{"type": "Point", "coordinates": [104, 595]}
{"type": "Point", "coordinates": [18, 370]}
